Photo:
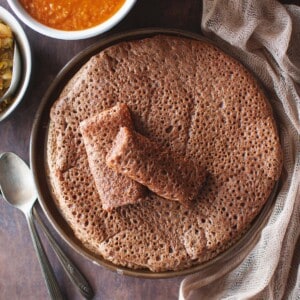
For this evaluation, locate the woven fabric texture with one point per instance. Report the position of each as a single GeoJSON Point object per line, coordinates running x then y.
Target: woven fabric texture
{"type": "Point", "coordinates": [265, 36]}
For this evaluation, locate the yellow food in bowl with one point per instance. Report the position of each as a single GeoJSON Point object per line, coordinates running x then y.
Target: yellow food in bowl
{"type": "Point", "coordinates": [6, 57]}
{"type": "Point", "coordinates": [6, 62]}
{"type": "Point", "coordinates": [72, 15]}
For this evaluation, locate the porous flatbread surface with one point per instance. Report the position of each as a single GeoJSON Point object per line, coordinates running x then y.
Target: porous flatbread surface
{"type": "Point", "coordinates": [198, 103]}
{"type": "Point", "coordinates": [137, 157]}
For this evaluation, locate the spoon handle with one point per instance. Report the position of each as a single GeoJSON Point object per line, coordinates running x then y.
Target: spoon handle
{"type": "Point", "coordinates": [72, 271]}
{"type": "Point", "coordinates": [51, 282]}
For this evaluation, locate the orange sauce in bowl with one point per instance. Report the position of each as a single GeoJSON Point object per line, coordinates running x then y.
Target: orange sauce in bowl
{"type": "Point", "coordinates": [71, 14]}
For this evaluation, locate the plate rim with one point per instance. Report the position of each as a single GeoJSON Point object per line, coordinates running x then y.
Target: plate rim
{"type": "Point", "coordinates": [240, 248]}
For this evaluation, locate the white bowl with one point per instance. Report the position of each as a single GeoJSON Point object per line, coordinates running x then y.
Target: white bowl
{"type": "Point", "coordinates": [70, 35]}
{"type": "Point", "coordinates": [25, 53]}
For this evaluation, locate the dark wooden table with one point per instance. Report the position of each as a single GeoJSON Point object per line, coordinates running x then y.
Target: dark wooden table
{"type": "Point", "coordinates": [20, 274]}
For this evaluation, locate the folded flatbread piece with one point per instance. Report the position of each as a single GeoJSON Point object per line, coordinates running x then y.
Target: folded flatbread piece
{"type": "Point", "coordinates": [98, 133]}
{"type": "Point", "coordinates": [141, 159]}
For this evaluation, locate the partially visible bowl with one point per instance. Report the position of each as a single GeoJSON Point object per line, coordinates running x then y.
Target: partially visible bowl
{"type": "Point", "coordinates": [70, 35]}
{"type": "Point", "coordinates": [25, 53]}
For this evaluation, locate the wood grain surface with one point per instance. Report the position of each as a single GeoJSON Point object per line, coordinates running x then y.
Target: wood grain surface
{"type": "Point", "coordinates": [20, 274]}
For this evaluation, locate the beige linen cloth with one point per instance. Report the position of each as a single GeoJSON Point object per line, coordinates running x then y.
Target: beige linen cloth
{"type": "Point", "coordinates": [265, 36]}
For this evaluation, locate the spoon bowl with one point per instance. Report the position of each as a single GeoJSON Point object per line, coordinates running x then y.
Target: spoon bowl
{"type": "Point", "coordinates": [16, 183]}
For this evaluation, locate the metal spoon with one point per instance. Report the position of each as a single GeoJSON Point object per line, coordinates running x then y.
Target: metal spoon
{"type": "Point", "coordinates": [16, 74]}
{"type": "Point", "coordinates": [18, 189]}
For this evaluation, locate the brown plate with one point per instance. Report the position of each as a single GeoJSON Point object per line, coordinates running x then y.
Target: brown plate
{"type": "Point", "coordinates": [38, 164]}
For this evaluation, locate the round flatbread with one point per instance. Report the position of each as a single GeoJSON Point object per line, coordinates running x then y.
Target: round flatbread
{"type": "Point", "coordinates": [193, 100]}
